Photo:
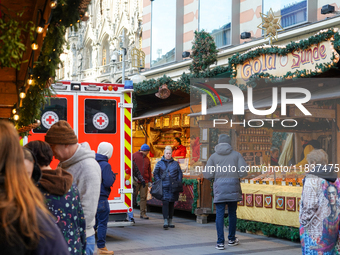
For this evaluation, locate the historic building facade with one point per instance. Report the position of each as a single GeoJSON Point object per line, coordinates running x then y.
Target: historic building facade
{"type": "Point", "coordinates": [94, 51]}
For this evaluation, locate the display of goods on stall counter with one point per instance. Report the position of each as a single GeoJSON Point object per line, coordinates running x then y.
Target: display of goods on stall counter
{"type": "Point", "coordinates": [254, 131]}
{"type": "Point", "coordinates": [293, 178]}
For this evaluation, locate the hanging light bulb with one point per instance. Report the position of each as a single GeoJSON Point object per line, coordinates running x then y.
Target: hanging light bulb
{"type": "Point", "coordinates": [53, 4]}
{"type": "Point", "coordinates": [30, 80]}
{"type": "Point", "coordinates": [34, 46]}
{"type": "Point", "coordinates": [22, 95]}
{"type": "Point", "coordinates": [14, 111]}
{"type": "Point", "coordinates": [16, 117]}
{"type": "Point", "coordinates": [40, 27]}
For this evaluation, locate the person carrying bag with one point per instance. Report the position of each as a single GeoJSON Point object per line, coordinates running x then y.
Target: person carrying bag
{"type": "Point", "coordinates": [168, 175]}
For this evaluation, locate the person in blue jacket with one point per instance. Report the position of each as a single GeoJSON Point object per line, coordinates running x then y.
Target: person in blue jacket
{"type": "Point", "coordinates": [103, 155]}
{"type": "Point", "coordinates": [165, 168]}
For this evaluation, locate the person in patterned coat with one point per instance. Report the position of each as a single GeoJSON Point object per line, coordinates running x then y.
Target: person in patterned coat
{"type": "Point", "coordinates": [319, 207]}
{"type": "Point", "coordinates": [61, 198]}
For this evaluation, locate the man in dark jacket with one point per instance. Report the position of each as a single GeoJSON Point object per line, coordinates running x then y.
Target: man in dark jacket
{"type": "Point", "coordinates": [143, 163]}
{"type": "Point", "coordinates": [225, 167]}
{"type": "Point", "coordinates": [103, 155]}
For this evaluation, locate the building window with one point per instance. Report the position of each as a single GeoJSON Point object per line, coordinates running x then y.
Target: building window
{"type": "Point", "coordinates": [216, 21]}
{"type": "Point", "coordinates": [163, 39]}
{"type": "Point", "coordinates": [104, 57]}
{"type": "Point", "coordinates": [292, 12]}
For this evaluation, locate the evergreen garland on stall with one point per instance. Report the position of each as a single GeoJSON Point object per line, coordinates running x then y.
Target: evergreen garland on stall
{"type": "Point", "coordinates": [327, 34]}
{"type": "Point", "coordinates": [204, 52]}
{"type": "Point", "coordinates": [271, 230]}
{"type": "Point", "coordinates": [65, 15]}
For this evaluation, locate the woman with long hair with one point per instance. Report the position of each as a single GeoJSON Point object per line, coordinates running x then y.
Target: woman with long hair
{"type": "Point", "coordinates": [26, 225]}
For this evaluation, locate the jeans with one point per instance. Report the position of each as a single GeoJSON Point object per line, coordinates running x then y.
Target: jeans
{"type": "Point", "coordinates": [90, 242]}
{"type": "Point", "coordinates": [220, 209]}
{"type": "Point", "coordinates": [130, 215]}
{"type": "Point", "coordinates": [168, 209]}
{"type": "Point", "coordinates": [102, 217]}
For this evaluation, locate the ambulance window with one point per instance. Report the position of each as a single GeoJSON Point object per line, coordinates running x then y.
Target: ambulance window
{"type": "Point", "coordinates": [54, 110]}
{"type": "Point", "coordinates": [100, 116]}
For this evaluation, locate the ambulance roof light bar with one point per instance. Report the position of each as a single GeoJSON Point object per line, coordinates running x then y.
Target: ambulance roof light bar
{"type": "Point", "coordinates": [92, 87]}
{"type": "Point", "coordinates": [59, 86]}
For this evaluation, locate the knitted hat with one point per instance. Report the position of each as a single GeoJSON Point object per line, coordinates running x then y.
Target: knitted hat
{"type": "Point", "coordinates": [105, 149]}
{"type": "Point", "coordinates": [61, 133]}
{"type": "Point", "coordinates": [223, 138]}
{"type": "Point", "coordinates": [145, 147]}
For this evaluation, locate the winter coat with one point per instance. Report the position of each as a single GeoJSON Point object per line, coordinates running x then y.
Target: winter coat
{"type": "Point", "coordinates": [143, 164]}
{"type": "Point", "coordinates": [52, 243]}
{"type": "Point", "coordinates": [174, 171]}
{"type": "Point", "coordinates": [320, 215]}
{"type": "Point", "coordinates": [108, 177]}
{"type": "Point", "coordinates": [225, 167]}
{"type": "Point", "coordinates": [87, 177]}
{"type": "Point", "coordinates": [62, 200]}
{"type": "Point", "coordinates": [180, 151]}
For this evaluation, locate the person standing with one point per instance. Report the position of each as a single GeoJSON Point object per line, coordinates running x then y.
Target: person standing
{"type": "Point", "coordinates": [138, 178]}
{"type": "Point", "coordinates": [319, 206]}
{"type": "Point", "coordinates": [104, 153]}
{"type": "Point", "coordinates": [179, 151]}
{"type": "Point", "coordinates": [143, 163]}
{"type": "Point", "coordinates": [169, 171]}
{"type": "Point", "coordinates": [308, 145]}
{"type": "Point", "coordinates": [227, 187]}
{"type": "Point", "coordinates": [26, 225]}
{"type": "Point", "coordinates": [78, 160]}
{"type": "Point", "coordinates": [61, 198]}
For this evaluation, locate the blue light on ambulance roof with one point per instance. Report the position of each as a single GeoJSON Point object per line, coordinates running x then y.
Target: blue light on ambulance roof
{"type": "Point", "coordinates": [128, 84]}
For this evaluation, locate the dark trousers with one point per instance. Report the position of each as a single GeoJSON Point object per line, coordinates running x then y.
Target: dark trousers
{"type": "Point", "coordinates": [168, 209]}
{"type": "Point", "coordinates": [102, 217]}
{"type": "Point", "coordinates": [220, 209]}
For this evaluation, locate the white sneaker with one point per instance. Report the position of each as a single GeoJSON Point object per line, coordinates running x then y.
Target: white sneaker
{"type": "Point", "coordinates": [219, 246]}
{"type": "Point", "coordinates": [233, 243]}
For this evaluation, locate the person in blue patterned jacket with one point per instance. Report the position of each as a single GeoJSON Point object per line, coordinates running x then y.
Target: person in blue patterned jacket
{"type": "Point", "coordinates": [61, 198]}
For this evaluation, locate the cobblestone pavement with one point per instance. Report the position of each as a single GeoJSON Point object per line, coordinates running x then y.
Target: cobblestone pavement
{"type": "Point", "coordinates": [188, 237]}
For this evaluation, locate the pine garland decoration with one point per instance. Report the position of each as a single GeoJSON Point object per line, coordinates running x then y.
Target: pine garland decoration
{"type": "Point", "coordinates": [204, 52]}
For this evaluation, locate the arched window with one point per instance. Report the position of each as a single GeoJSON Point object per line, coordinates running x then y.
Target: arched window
{"type": "Point", "coordinates": [104, 57]}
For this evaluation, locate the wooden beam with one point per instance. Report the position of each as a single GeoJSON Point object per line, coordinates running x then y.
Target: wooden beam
{"type": "Point", "coordinates": [5, 112]}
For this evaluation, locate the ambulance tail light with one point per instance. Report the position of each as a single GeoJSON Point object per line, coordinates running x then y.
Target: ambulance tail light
{"type": "Point", "coordinates": [92, 87]}
{"type": "Point", "coordinates": [59, 86]}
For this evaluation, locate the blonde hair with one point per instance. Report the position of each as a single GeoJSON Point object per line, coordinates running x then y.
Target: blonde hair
{"type": "Point", "coordinates": [317, 156]}
{"type": "Point", "coordinates": [168, 148]}
{"type": "Point", "coordinates": [21, 203]}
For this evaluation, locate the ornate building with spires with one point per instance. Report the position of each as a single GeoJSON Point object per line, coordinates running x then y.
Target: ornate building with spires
{"type": "Point", "coordinates": [93, 52]}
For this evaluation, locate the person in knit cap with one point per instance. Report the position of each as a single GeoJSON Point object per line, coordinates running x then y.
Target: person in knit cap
{"type": "Point", "coordinates": [143, 163]}
{"type": "Point", "coordinates": [59, 192]}
{"type": "Point", "coordinates": [225, 168]}
{"type": "Point", "coordinates": [78, 160]}
{"type": "Point", "coordinates": [103, 155]}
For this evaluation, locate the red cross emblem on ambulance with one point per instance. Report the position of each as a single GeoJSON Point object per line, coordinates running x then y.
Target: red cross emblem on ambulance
{"type": "Point", "coordinates": [49, 118]}
{"type": "Point", "coordinates": [100, 120]}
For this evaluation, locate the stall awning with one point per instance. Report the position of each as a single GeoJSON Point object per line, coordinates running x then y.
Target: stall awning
{"type": "Point", "coordinates": [264, 99]}
{"type": "Point", "coordinates": [161, 111]}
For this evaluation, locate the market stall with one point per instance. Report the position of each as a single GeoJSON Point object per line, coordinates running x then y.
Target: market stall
{"type": "Point", "coordinates": [273, 196]}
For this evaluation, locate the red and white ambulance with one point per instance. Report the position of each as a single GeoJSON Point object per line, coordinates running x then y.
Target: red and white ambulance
{"type": "Point", "coordinates": [98, 112]}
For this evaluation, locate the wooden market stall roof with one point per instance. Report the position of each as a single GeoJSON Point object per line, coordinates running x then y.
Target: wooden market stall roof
{"type": "Point", "coordinates": [11, 80]}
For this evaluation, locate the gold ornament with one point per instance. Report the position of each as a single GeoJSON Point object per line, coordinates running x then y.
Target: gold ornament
{"type": "Point", "coordinates": [271, 24]}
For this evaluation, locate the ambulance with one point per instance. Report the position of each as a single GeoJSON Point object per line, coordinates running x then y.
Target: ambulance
{"type": "Point", "coordinates": [97, 112]}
